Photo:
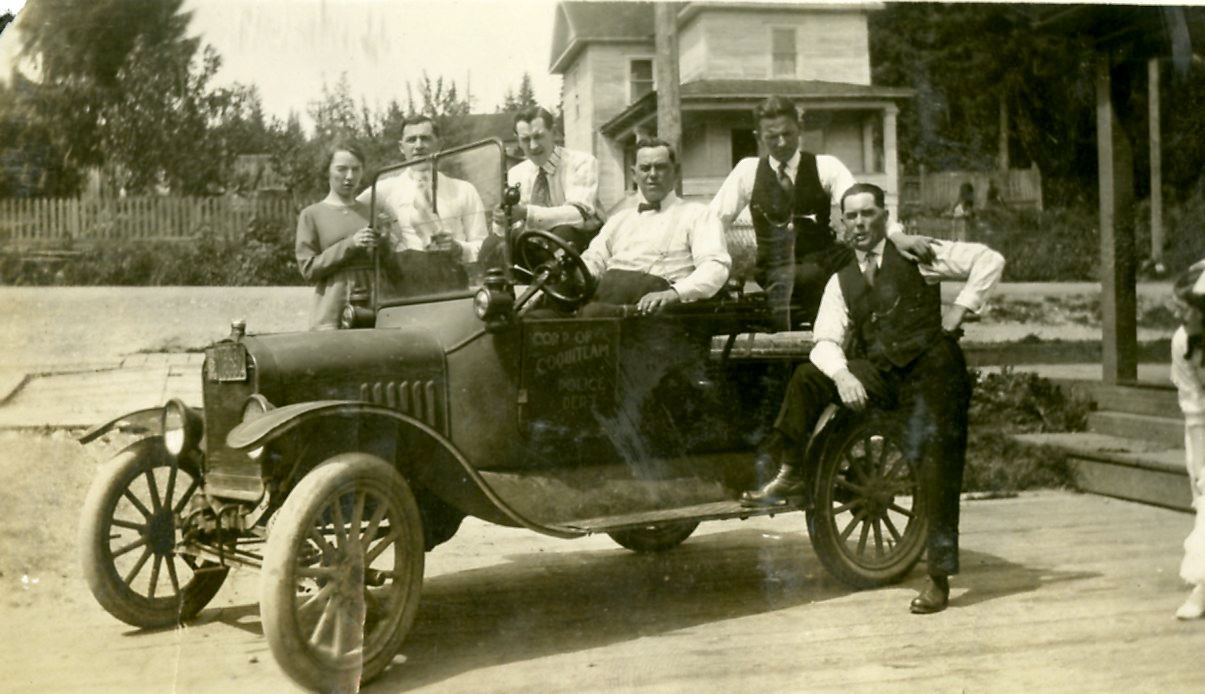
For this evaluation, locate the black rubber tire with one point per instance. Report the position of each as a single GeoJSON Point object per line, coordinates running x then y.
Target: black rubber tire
{"type": "Point", "coordinates": [859, 491]}
{"type": "Point", "coordinates": [337, 573]}
{"type": "Point", "coordinates": [110, 528]}
{"type": "Point", "coordinates": [654, 538]}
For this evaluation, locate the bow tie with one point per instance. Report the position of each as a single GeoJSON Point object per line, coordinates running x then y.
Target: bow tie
{"type": "Point", "coordinates": [646, 206]}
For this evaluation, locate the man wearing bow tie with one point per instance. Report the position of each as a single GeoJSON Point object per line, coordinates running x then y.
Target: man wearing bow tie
{"type": "Point", "coordinates": [790, 194]}
{"type": "Point", "coordinates": [882, 339]}
{"type": "Point", "coordinates": [662, 251]}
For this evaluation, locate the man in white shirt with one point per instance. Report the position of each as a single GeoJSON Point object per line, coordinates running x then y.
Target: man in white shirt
{"type": "Point", "coordinates": [904, 357]}
{"type": "Point", "coordinates": [662, 251]}
{"type": "Point", "coordinates": [452, 222]}
{"type": "Point", "coordinates": [791, 193]}
{"type": "Point", "coordinates": [558, 187]}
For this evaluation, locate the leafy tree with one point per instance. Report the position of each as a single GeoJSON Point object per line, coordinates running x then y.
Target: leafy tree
{"type": "Point", "coordinates": [81, 45]}
{"type": "Point", "coordinates": [968, 61]}
{"type": "Point", "coordinates": [6, 19]}
{"type": "Point", "coordinates": [440, 100]}
{"type": "Point", "coordinates": [167, 127]}
{"type": "Point", "coordinates": [524, 98]}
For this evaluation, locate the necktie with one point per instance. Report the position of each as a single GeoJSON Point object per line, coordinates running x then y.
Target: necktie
{"type": "Point", "coordinates": [646, 206]}
{"type": "Point", "coordinates": [541, 195]}
{"type": "Point", "coordinates": [871, 269]}
{"type": "Point", "coordinates": [784, 180]}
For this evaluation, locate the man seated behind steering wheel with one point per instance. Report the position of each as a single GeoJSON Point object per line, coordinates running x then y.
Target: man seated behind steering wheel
{"type": "Point", "coordinates": [660, 252]}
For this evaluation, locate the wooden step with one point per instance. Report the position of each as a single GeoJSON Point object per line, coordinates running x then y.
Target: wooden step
{"type": "Point", "coordinates": [1132, 469]}
{"type": "Point", "coordinates": [1167, 431]}
{"type": "Point", "coordinates": [1153, 400]}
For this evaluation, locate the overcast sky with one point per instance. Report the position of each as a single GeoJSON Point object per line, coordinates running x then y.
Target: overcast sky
{"type": "Point", "coordinates": [289, 48]}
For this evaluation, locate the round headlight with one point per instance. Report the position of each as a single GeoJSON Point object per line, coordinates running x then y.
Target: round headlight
{"type": "Point", "coordinates": [481, 303]}
{"type": "Point", "coordinates": [181, 427]}
{"type": "Point", "coordinates": [255, 407]}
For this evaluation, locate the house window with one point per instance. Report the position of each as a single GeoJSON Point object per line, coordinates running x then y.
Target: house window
{"type": "Point", "coordinates": [782, 52]}
{"type": "Point", "coordinates": [640, 78]}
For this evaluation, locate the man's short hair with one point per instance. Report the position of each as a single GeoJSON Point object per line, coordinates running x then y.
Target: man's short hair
{"type": "Point", "coordinates": [773, 107]}
{"type": "Point", "coordinates": [531, 113]}
{"type": "Point", "coordinates": [880, 198]}
{"type": "Point", "coordinates": [419, 119]}
{"type": "Point", "coordinates": [654, 142]}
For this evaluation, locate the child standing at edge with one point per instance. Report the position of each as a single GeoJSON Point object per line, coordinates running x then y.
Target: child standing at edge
{"type": "Point", "coordinates": [1188, 374]}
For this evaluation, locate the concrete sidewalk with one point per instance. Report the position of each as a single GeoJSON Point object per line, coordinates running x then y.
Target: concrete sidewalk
{"type": "Point", "coordinates": [82, 395]}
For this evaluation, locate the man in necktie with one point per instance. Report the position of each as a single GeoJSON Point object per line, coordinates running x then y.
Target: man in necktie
{"type": "Point", "coordinates": [558, 187]}
{"type": "Point", "coordinates": [901, 356]}
{"type": "Point", "coordinates": [790, 194]}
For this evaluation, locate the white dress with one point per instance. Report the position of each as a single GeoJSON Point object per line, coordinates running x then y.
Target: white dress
{"type": "Point", "coordinates": [1189, 378]}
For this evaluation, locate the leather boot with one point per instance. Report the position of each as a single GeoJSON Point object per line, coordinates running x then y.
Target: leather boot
{"type": "Point", "coordinates": [789, 486]}
{"type": "Point", "coordinates": [934, 597]}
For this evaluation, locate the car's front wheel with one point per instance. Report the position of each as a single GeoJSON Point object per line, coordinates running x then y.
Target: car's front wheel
{"type": "Point", "coordinates": [128, 536]}
{"type": "Point", "coordinates": [342, 573]}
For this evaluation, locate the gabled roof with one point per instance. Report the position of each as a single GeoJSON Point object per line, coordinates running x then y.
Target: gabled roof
{"type": "Point", "coordinates": [578, 23]}
{"type": "Point", "coordinates": [745, 93]}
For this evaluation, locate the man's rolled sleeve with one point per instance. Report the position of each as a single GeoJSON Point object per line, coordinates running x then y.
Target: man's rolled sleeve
{"type": "Point", "coordinates": [830, 330]}
{"type": "Point", "coordinates": [733, 195]}
{"type": "Point", "coordinates": [978, 265]}
{"type": "Point", "coordinates": [709, 254]}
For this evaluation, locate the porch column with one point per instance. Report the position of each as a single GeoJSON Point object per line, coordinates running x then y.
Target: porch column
{"type": "Point", "coordinates": [868, 154]}
{"type": "Point", "coordinates": [1118, 300]}
{"type": "Point", "coordinates": [891, 166]}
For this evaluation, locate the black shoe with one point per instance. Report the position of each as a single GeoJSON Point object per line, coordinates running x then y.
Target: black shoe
{"type": "Point", "coordinates": [787, 487]}
{"type": "Point", "coordinates": [934, 597]}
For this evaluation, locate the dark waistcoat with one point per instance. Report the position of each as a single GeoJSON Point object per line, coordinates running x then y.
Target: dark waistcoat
{"type": "Point", "coordinates": [894, 322]}
{"type": "Point", "coordinates": [780, 219]}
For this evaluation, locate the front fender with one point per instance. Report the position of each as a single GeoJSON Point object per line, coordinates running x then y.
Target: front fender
{"type": "Point", "coordinates": [106, 440]}
{"type": "Point", "coordinates": [274, 423]}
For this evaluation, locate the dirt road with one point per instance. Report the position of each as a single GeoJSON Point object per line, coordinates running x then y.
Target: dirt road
{"type": "Point", "coordinates": [1058, 592]}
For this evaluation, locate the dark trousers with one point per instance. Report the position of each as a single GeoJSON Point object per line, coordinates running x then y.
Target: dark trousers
{"type": "Point", "coordinates": [932, 394]}
{"type": "Point", "coordinates": [793, 290]}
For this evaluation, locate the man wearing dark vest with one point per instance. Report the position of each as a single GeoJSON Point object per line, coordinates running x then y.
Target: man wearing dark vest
{"type": "Point", "coordinates": [790, 194]}
{"type": "Point", "coordinates": [902, 355]}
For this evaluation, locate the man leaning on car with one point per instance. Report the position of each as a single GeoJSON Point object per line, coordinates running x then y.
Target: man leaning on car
{"type": "Point", "coordinates": [883, 339]}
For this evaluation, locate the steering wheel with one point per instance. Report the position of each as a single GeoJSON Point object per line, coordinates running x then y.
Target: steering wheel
{"type": "Point", "coordinates": [555, 266]}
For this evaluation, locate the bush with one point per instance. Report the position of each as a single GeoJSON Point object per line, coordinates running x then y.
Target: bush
{"type": "Point", "coordinates": [1055, 245]}
{"type": "Point", "coordinates": [1014, 402]}
{"type": "Point", "coordinates": [263, 257]}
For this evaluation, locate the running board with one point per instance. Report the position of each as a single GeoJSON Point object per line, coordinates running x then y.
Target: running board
{"type": "Point", "coordinates": [716, 510]}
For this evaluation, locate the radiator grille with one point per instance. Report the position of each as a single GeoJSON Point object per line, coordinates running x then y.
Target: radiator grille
{"type": "Point", "coordinates": [419, 399]}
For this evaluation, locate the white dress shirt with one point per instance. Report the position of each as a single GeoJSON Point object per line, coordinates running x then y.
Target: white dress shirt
{"type": "Point", "coordinates": [736, 192]}
{"type": "Point", "coordinates": [682, 243]}
{"type": "Point", "coordinates": [979, 265]}
{"type": "Point", "coordinates": [461, 212]}
{"type": "Point", "coordinates": [572, 183]}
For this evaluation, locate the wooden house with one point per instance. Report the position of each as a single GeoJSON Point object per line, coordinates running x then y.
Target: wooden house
{"type": "Point", "coordinates": [731, 56]}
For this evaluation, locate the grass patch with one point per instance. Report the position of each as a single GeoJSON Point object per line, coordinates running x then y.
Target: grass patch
{"type": "Point", "coordinates": [1015, 402]}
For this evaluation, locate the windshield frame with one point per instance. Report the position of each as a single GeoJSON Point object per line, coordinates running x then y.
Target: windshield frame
{"type": "Point", "coordinates": [379, 303]}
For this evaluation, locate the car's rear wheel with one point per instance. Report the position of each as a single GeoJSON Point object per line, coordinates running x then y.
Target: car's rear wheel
{"type": "Point", "coordinates": [654, 538]}
{"type": "Point", "coordinates": [867, 524]}
{"type": "Point", "coordinates": [342, 573]}
{"type": "Point", "coordinates": [129, 530]}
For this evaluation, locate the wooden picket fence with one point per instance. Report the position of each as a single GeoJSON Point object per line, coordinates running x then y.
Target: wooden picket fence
{"type": "Point", "coordinates": [31, 223]}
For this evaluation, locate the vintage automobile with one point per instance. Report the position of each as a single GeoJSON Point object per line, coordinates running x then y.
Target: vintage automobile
{"type": "Point", "coordinates": [334, 460]}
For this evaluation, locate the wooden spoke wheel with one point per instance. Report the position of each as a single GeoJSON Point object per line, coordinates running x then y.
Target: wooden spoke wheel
{"type": "Point", "coordinates": [654, 538]}
{"type": "Point", "coordinates": [129, 533]}
{"type": "Point", "coordinates": [342, 573]}
{"type": "Point", "coordinates": [867, 524]}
